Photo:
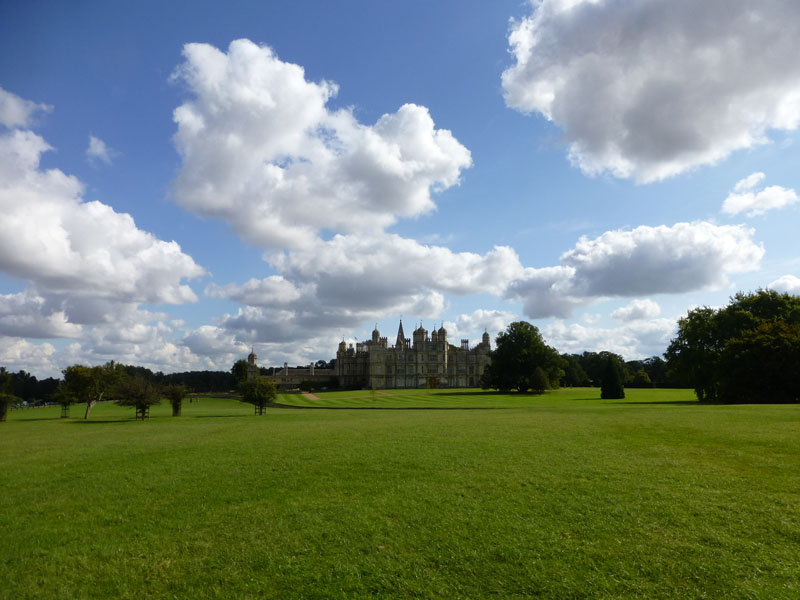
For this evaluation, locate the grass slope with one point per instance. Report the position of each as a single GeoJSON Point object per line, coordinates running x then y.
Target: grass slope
{"type": "Point", "coordinates": [559, 496]}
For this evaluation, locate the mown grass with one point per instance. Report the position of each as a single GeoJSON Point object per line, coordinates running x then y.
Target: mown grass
{"type": "Point", "coordinates": [559, 496]}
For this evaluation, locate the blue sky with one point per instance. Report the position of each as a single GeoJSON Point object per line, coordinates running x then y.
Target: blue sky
{"type": "Point", "coordinates": [181, 182]}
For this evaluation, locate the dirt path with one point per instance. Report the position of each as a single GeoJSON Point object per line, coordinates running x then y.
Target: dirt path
{"type": "Point", "coordinates": [311, 396]}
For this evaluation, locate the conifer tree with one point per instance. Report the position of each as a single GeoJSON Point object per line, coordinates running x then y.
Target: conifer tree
{"type": "Point", "coordinates": [611, 388]}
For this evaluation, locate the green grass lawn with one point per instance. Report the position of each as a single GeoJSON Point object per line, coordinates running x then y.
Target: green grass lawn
{"type": "Point", "coordinates": [558, 496]}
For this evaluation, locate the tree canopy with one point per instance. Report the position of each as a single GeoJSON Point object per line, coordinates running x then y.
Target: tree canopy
{"type": "Point", "coordinates": [744, 352]}
{"type": "Point", "coordinates": [140, 393]}
{"type": "Point", "coordinates": [519, 350]}
{"type": "Point", "coordinates": [93, 384]}
{"type": "Point", "coordinates": [258, 392]}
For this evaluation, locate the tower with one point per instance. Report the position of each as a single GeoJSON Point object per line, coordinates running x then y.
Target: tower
{"type": "Point", "coordinates": [252, 365]}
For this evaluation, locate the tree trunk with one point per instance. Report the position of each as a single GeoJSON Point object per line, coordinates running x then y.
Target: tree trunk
{"type": "Point", "coordinates": [89, 405]}
{"type": "Point", "coordinates": [3, 411]}
{"type": "Point", "coordinates": [176, 409]}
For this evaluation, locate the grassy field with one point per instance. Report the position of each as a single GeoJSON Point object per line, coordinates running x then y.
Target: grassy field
{"type": "Point", "coordinates": [558, 496]}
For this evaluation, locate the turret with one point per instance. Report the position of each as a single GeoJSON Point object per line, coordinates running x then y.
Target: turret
{"type": "Point", "coordinates": [442, 333]}
{"type": "Point", "coordinates": [420, 336]}
{"type": "Point", "coordinates": [485, 340]}
{"type": "Point", "coordinates": [376, 335]}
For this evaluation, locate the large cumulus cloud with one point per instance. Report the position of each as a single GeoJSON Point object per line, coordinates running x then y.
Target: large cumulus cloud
{"type": "Point", "coordinates": [261, 150]}
{"type": "Point", "coordinates": [51, 237]}
{"type": "Point", "coordinates": [87, 267]}
{"type": "Point", "coordinates": [649, 89]}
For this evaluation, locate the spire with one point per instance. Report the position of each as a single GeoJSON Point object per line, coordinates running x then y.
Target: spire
{"type": "Point", "coordinates": [401, 337]}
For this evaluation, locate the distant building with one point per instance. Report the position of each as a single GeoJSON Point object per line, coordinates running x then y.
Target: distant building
{"type": "Point", "coordinates": [419, 362]}
{"type": "Point", "coordinates": [290, 378]}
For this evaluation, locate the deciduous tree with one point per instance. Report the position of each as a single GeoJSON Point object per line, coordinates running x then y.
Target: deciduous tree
{"type": "Point", "coordinates": [259, 392]}
{"type": "Point", "coordinates": [519, 350]}
{"type": "Point", "coordinates": [140, 393]}
{"type": "Point", "coordinates": [175, 394]}
{"type": "Point", "coordinates": [92, 384]}
{"type": "Point", "coordinates": [706, 336]}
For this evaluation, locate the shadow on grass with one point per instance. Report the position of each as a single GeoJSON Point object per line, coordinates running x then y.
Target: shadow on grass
{"type": "Point", "coordinates": [216, 416]}
{"type": "Point", "coordinates": [668, 402]}
{"type": "Point", "coordinates": [100, 421]}
{"type": "Point", "coordinates": [278, 405]}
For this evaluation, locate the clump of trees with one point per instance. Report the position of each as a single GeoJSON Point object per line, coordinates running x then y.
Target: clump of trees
{"type": "Point", "coordinates": [748, 351]}
{"type": "Point", "coordinates": [586, 370]}
{"type": "Point", "coordinates": [522, 361]}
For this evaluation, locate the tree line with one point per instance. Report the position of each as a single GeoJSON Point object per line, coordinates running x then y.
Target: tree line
{"type": "Point", "coordinates": [128, 385]}
{"type": "Point", "coordinates": [747, 351]}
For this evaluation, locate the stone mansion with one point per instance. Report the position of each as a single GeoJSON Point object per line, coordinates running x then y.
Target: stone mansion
{"type": "Point", "coordinates": [417, 362]}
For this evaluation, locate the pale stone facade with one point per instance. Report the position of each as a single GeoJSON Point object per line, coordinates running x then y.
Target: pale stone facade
{"type": "Point", "coordinates": [420, 362]}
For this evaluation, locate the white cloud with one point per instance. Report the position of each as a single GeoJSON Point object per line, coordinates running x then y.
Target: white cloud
{"type": "Point", "coordinates": [19, 354]}
{"type": "Point", "coordinates": [673, 83]}
{"type": "Point", "coordinates": [99, 151]}
{"type": "Point", "coordinates": [472, 325]}
{"type": "Point", "coordinates": [788, 284]}
{"type": "Point", "coordinates": [749, 183]}
{"type": "Point", "coordinates": [635, 340]}
{"type": "Point", "coordinates": [27, 315]}
{"type": "Point", "coordinates": [17, 112]}
{"type": "Point", "coordinates": [262, 151]}
{"type": "Point", "coordinates": [271, 291]}
{"type": "Point", "coordinates": [50, 237]}
{"type": "Point", "coordinates": [354, 269]}
{"type": "Point", "coordinates": [747, 196]}
{"type": "Point", "coordinates": [645, 260]}
{"type": "Point", "coordinates": [637, 310]}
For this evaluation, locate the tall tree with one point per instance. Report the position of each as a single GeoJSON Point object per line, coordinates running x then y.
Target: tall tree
{"type": "Point", "coordinates": [762, 365]}
{"type": "Point", "coordinates": [239, 370]}
{"type": "Point", "coordinates": [519, 350]}
{"type": "Point", "coordinates": [706, 336]}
